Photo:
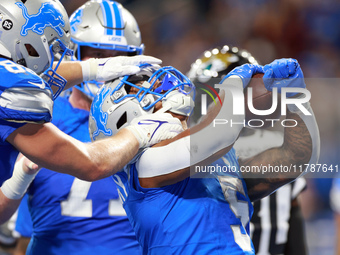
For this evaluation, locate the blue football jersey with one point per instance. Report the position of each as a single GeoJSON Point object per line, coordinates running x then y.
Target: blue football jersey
{"type": "Point", "coordinates": [24, 97]}
{"type": "Point", "coordinates": [194, 216]}
{"type": "Point", "coordinates": [72, 216]}
{"type": "Point", "coordinates": [24, 224]}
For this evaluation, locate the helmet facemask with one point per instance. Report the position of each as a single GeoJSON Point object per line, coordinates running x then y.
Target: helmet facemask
{"type": "Point", "coordinates": [40, 31]}
{"type": "Point", "coordinates": [166, 85]}
{"type": "Point", "coordinates": [120, 101]}
{"type": "Point", "coordinates": [58, 51]}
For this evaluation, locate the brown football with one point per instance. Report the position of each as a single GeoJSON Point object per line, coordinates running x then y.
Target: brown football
{"type": "Point", "coordinates": [262, 100]}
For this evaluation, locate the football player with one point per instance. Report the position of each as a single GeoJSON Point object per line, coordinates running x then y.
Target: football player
{"type": "Point", "coordinates": [33, 34]}
{"type": "Point", "coordinates": [276, 226]}
{"type": "Point", "coordinates": [59, 202]}
{"type": "Point", "coordinates": [170, 212]}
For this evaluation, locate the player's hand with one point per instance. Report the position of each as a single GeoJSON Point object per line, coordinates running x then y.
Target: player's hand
{"type": "Point", "coordinates": [105, 69]}
{"type": "Point", "coordinates": [30, 167]}
{"type": "Point", "coordinates": [24, 173]}
{"type": "Point", "coordinates": [285, 72]}
{"type": "Point", "coordinates": [153, 128]}
{"type": "Point", "coordinates": [244, 72]}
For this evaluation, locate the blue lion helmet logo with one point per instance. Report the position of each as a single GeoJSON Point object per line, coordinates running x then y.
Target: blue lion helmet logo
{"type": "Point", "coordinates": [98, 115]}
{"type": "Point", "coordinates": [47, 16]}
{"type": "Point", "coordinates": [76, 20]}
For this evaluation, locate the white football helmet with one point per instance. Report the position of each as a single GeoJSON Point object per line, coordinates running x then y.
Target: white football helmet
{"type": "Point", "coordinates": [114, 107]}
{"type": "Point", "coordinates": [104, 24]}
{"type": "Point", "coordinates": [32, 33]}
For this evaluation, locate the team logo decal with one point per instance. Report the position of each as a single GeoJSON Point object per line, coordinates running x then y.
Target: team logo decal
{"type": "Point", "coordinates": [47, 16]}
{"type": "Point", "coordinates": [7, 24]}
{"type": "Point", "coordinates": [76, 19]}
{"type": "Point", "coordinates": [98, 115]}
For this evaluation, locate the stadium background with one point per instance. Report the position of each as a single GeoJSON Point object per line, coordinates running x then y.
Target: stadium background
{"type": "Point", "coordinates": [178, 31]}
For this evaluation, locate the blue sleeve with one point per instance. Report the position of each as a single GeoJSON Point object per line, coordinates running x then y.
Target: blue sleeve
{"type": "Point", "coordinates": [24, 224]}
{"type": "Point", "coordinates": [6, 128]}
{"type": "Point", "coordinates": [24, 96]}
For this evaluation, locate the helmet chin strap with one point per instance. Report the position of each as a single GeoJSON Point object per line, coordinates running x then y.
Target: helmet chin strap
{"type": "Point", "coordinates": [178, 103]}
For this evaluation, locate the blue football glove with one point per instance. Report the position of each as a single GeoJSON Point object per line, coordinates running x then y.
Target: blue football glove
{"type": "Point", "coordinates": [285, 72]}
{"type": "Point", "coordinates": [245, 72]}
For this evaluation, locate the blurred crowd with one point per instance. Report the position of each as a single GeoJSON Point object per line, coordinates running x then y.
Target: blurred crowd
{"type": "Point", "coordinates": [178, 31]}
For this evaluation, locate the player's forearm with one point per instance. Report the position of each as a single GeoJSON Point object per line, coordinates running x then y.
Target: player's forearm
{"type": "Point", "coordinates": [7, 207]}
{"type": "Point", "coordinates": [112, 154]}
{"type": "Point", "coordinates": [72, 72]}
{"type": "Point", "coordinates": [295, 151]}
{"type": "Point", "coordinates": [209, 140]}
{"type": "Point", "coordinates": [50, 148]}
{"type": "Point", "coordinates": [14, 188]}
{"type": "Point", "coordinates": [94, 161]}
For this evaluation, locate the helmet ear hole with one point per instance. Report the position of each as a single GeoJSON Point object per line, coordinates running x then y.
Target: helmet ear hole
{"type": "Point", "coordinates": [31, 50]}
{"type": "Point", "coordinates": [122, 120]}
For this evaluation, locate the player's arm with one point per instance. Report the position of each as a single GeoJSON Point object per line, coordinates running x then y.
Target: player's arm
{"type": "Point", "coordinates": [7, 207]}
{"type": "Point", "coordinates": [293, 154]}
{"type": "Point", "coordinates": [49, 147]}
{"type": "Point", "coordinates": [21, 245]}
{"type": "Point", "coordinates": [75, 72]}
{"type": "Point", "coordinates": [170, 161]}
{"type": "Point", "coordinates": [13, 189]}
{"type": "Point", "coordinates": [301, 143]}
